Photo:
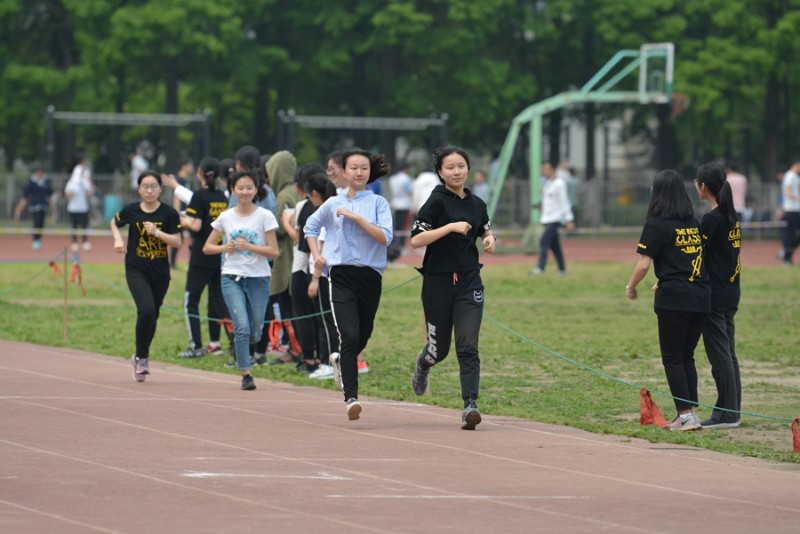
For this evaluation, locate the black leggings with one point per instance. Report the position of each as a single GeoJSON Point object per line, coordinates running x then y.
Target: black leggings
{"type": "Point", "coordinates": [550, 241]}
{"type": "Point", "coordinates": [355, 296]}
{"type": "Point", "coordinates": [38, 223]}
{"type": "Point", "coordinates": [678, 334]}
{"type": "Point", "coordinates": [79, 220]}
{"type": "Point", "coordinates": [148, 295]}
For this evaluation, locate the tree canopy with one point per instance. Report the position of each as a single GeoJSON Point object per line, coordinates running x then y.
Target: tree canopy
{"type": "Point", "coordinates": [478, 62]}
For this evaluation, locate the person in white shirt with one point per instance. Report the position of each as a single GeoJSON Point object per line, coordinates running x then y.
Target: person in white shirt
{"type": "Point", "coordinates": [79, 191]}
{"type": "Point", "coordinates": [421, 189]}
{"type": "Point", "coordinates": [791, 210]}
{"type": "Point", "coordinates": [556, 211]}
{"type": "Point", "coordinates": [138, 165]}
{"type": "Point", "coordinates": [401, 202]}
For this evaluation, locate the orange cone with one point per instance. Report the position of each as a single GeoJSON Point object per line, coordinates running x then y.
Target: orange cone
{"type": "Point", "coordinates": [796, 434]}
{"type": "Point", "coordinates": [650, 414]}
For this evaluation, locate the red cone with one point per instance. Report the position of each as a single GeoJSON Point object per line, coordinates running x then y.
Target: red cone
{"type": "Point", "coordinates": [650, 414]}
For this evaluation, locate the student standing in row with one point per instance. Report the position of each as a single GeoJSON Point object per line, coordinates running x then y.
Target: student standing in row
{"type": "Point", "coordinates": [153, 226]}
{"type": "Point", "coordinates": [671, 241]}
{"type": "Point", "coordinates": [79, 191]}
{"type": "Point", "coordinates": [249, 232]}
{"type": "Point", "coordinates": [204, 271]}
{"type": "Point", "coordinates": [448, 224]}
{"type": "Point", "coordinates": [360, 223]}
{"type": "Point", "coordinates": [37, 197]}
{"type": "Point", "coordinates": [722, 240]}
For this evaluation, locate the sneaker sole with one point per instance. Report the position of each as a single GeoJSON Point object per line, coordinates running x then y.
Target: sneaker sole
{"type": "Point", "coordinates": [354, 412]}
{"type": "Point", "coordinates": [721, 425]}
{"type": "Point", "coordinates": [139, 377]}
{"type": "Point", "coordinates": [472, 420]}
{"type": "Point", "coordinates": [686, 428]}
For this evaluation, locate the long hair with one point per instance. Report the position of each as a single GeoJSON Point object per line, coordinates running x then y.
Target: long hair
{"type": "Point", "coordinates": [669, 199]}
{"type": "Point", "coordinates": [378, 166]}
{"type": "Point", "coordinates": [210, 169]}
{"type": "Point", "coordinates": [714, 177]}
{"type": "Point", "coordinates": [319, 182]}
{"type": "Point", "coordinates": [442, 152]}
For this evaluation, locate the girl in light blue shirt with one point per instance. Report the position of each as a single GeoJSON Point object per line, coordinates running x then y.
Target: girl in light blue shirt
{"type": "Point", "coordinates": [358, 224]}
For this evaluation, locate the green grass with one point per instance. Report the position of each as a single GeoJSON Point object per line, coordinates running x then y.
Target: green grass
{"type": "Point", "coordinates": [583, 317]}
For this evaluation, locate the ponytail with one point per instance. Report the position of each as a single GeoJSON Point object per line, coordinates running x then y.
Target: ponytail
{"type": "Point", "coordinates": [714, 177]}
{"type": "Point", "coordinates": [210, 169]}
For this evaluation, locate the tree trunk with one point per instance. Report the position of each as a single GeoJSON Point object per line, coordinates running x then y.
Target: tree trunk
{"type": "Point", "coordinates": [171, 132]}
{"type": "Point", "coordinates": [772, 120]}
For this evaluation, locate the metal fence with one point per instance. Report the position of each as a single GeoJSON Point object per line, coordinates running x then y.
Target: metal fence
{"type": "Point", "coordinates": [618, 204]}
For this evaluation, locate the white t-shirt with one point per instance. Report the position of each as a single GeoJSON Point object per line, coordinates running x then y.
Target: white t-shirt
{"type": "Point", "coordinates": [791, 180]}
{"type": "Point", "coordinates": [253, 229]}
{"type": "Point", "coordinates": [400, 189]}
{"type": "Point", "coordinates": [422, 187]}
{"type": "Point", "coordinates": [555, 202]}
{"type": "Point", "coordinates": [79, 190]}
{"type": "Point", "coordinates": [300, 258]}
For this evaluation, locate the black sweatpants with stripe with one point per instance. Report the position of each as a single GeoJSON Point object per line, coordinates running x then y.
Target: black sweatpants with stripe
{"type": "Point", "coordinates": [355, 296]}
{"type": "Point", "coordinates": [453, 303]}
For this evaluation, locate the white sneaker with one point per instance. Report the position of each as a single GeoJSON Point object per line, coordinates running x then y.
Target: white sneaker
{"type": "Point", "coordinates": [323, 372]}
{"type": "Point", "coordinates": [336, 364]}
{"type": "Point", "coordinates": [87, 246]}
{"type": "Point", "coordinates": [74, 247]}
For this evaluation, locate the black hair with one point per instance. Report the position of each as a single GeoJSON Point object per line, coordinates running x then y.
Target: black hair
{"type": "Point", "coordinates": [210, 168]}
{"type": "Point", "coordinates": [78, 156]}
{"type": "Point", "coordinates": [306, 171]}
{"type": "Point", "coordinates": [147, 174]}
{"type": "Point", "coordinates": [320, 183]}
{"type": "Point", "coordinates": [184, 161]}
{"type": "Point", "coordinates": [442, 152]}
{"type": "Point", "coordinates": [714, 177]}
{"type": "Point", "coordinates": [248, 156]}
{"type": "Point", "coordinates": [378, 166]}
{"type": "Point", "coordinates": [336, 156]}
{"type": "Point", "coordinates": [261, 192]}
{"type": "Point", "coordinates": [669, 199]}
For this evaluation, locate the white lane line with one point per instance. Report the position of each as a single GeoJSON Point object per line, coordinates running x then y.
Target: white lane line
{"type": "Point", "coordinates": [461, 497]}
{"type": "Point", "coordinates": [204, 474]}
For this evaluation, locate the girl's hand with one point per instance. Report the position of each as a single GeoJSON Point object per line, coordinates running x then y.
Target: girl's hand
{"type": "Point", "coordinates": [319, 263]}
{"type": "Point", "coordinates": [655, 287]}
{"type": "Point", "coordinates": [230, 247]}
{"type": "Point", "coordinates": [344, 212]}
{"type": "Point", "coordinates": [150, 228]}
{"type": "Point", "coordinates": [631, 293]}
{"type": "Point", "coordinates": [460, 227]}
{"type": "Point", "coordinates": [313, 288]}
{"type": "Point", "coordinates": [119, 246]}
{"type": "Point", "coordinates": [490, 241]}
{"type": "Point", "coordinates": [242, 244]}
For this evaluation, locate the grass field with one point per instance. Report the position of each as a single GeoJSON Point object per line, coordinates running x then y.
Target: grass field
{"type": "Point", "coordinates": [532, 328]}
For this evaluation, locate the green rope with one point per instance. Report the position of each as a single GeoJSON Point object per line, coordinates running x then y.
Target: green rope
{"type": "Point", "coordinates": [31, 278]}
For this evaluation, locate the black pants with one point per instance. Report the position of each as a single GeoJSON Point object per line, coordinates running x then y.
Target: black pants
{"type": "Point", "coordinates": [79, 220]}
{"type": "Point", "coordinates": [302, 306]}
{"type": "Point", "coordinates": [719, 340]}
{"type": "Point", "coordinates": [328, 336]}
{"type": "Point", "coordinates": [38, 222]}
{"type": "Point", "coordinates": [148, 294]}
{"type": "Point", "coordinates": [355, 296]}
{"type": "Point", "coordinates": [283, 302]}
{"type": "Point", "coordinates": [792, 236]}
{"type": "Point", "coordinates": [453, 302]}
{"type": "Point", "coordinates": [197, 278]}
{"type": "Point", "coordinates": [401, 218]}
{"type": "Point", "coordinates": [678, 334]}
{"type": "Point", "coordinates": [550, 241]}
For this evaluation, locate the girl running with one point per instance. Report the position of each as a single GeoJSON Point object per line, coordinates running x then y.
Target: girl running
{"type": "Point", "coordinates": [250, 239]}
{"type": "Point", "coordinates": [153, 226]}
{"type": "Point", "coordinates": [448, 224]}
{"type": "Point", "coordinates": [359, 228]}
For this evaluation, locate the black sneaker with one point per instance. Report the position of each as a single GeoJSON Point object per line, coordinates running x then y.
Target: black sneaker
{"type": "Point", "coordinates": [470, 417]}
{"type": "Point", "coordinates": [307, 368]}
{"type": "Point", "coordinates": [248, 384]}
{"type": "Point", "coordinates": [231, 364]}
{"type": "Point", "coordinates": [714, 424]}
{"type": "Point", "coordinates": [419, 381]}
{"type": "Point", "coordinates": [258, 359]}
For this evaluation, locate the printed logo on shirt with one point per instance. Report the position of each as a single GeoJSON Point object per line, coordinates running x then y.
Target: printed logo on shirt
{"type": "Point", "coordinates": [215, 208]}
{"type": "Point", "coordinates": [688, 240]}
{"type": "Point", "coordinates": [248, 235]}
{"type": "Point", "coordinates": [150, 247]}
{"type": "Point", "coordinates": [735, 236]}
{"type": "Point", "coordinates": [477, 295]}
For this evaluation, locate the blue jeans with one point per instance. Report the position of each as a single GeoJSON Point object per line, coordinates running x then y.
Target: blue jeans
{"type": "Point", "coordinates": [246, 299]}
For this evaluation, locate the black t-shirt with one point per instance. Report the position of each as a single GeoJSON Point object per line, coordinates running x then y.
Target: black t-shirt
{"type": "Point", "coordinates": [454, 252]}
{"type": "Point", "coordinates": [722, 256]}
{"type": "Point", "coordinates": [677, 251]}
{"type": "Point", "coordinates": [205, 205]}
{"type": "Point", "coordinates": [147, 253]}
{"type": "Point", "coordinates": [305, 212]}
